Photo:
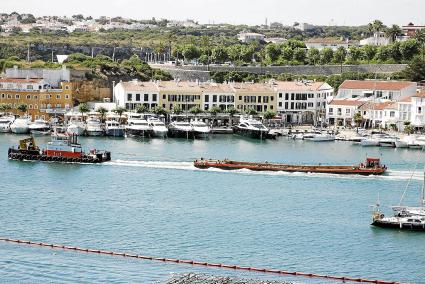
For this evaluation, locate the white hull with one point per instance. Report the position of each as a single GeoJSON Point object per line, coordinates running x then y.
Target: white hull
{"type": "Point", "coordinates": [369, 143]}
{"type": "Point", "coordinates": [160, 133]}
{"type": "Point", "coordinates": [20, 129]}
{"type": "Point", "coordinates": [75, 130]}
{"type": "Point", "coordinates": [97, 132]}
{"type": "Point", "coordinates": [200, 134]}
{"type": "Point", "coordinates": [40, 132]}
{"type": "Point", "coordinates": [4, 128]}
{"type": "Point", "coordinates": [401, 144]}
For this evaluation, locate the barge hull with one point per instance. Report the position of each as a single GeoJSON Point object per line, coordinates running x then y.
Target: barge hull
{"type": "Point", "coordinates": [395, 225]}
{"type": "Point", "coordinates": [17, 156]}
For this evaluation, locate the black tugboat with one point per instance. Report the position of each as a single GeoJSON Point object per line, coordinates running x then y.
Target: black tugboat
{"type": "Point", "coordinates": [63, 148]}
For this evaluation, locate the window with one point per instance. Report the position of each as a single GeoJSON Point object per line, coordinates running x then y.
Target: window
{"type": "Point", "coordinates": [58, 97]}
{"type": "Point", "coordinates": [154, 97]}
{"type": "Point", "coordinates": [146, 97]}
{"type": "Point", "coordinates": [331, 110]}
{"type": "Point", "coordinates": [240, 98]}
{"type": "Point", "coordinates": [58, 105]}
{"type": "Point", "coordinates": [310, 96]}
{"type": "Point", "coordinates": [347, 111]}
{"type": "Point", "coordinates": [66, 87]}
{"type": "Point", "coordinates": [3, 96]}
{"type": "Point", "coordinates": [30, 87]}
{"type": "Point", "coordinates": [310, 105]}
{"type": "Point", "coordinates": [419, 109]}
{"type": "Point", "coordinates": [259, 99]}
{"type": "Point", "coordinates": [129, 97]}
{"type": "Point", "coordinates": [280, 95]}
{"type": "Point", "coordinates": [137, 97]}
{"type": "Point", "coordinates": [280, 104]}
{"type": "Point", "coordinates": [392, 113]}
{"type": "Point", "coordinates": [35, 106]}
{"type": "Point", "coordinates": [292, 96]}
{"type": "Point", "coordinates": [271, 98]}
{"type": "Point", "coordinates": [286, 96]}
{"type": "Point", "coordinates": [286, 105]}
{"type": "Point", "coordinates": [17, 97]}
{"type": "Point", "coordinates": [9, 96]}
{"type": "Point", "coordinates": [207, 98]}
{"type": "Point", "coordinates": [164, 97]}
{"type": "Point", "coordinates": [35, 97]}
{"type": "Point", "coordinates": [29, 106]}
{"type": "Point", "coordinates": [214, 98]}
{"type": "Point", "coordinates": [28, 97]}
{"type": "Point", "coordinates": [66, 97]}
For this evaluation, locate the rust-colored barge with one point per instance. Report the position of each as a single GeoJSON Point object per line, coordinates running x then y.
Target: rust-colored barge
{"type": "Point", "coordinates": [372, 166]}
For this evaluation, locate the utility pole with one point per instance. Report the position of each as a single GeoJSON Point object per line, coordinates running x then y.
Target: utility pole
{"type": "Point", "coordinates": [113, 55]}
{"type": "Point", "coordinates": [28, 53]}
{"type": "Point", "coordinates": [92, 52]}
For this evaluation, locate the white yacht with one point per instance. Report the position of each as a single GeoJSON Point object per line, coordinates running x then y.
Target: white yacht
{"type": "Point", "coordinates": [180, 129]}
{"type": "Point", "coordinates": [94, 126]}
{"type": "Point", "coordinates": [76, 126]}
{"type": "Point", "coordinates": [39, 127]}
{"type": "Point", "coordinates": [5, 122]}
{"type": "Point", "coordinates": [321, 137]}
{"type": "Point", "coordinates": [200, 128]}
{"type": "Point", "coordinates": [21, 125]}
{"type": "Point", "coordinates": [138, 126]}
{"type": "Point", "coordinates": [114, 128]}
{"type": "Point", "coordinates": [158, 127]}
{"type": "Point", "coordinates": [252, 128]}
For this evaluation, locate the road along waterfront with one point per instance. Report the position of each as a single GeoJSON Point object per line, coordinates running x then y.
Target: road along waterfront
{"type": "Point", "coordinates": [151, 200]}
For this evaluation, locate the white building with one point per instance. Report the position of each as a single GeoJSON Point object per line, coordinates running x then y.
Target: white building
{"type": "Point", "coordinates": [378, 39]}
{"type": "Point", "coordinates": [418, 110]}
{"type": "Point", "coordinates": [135, 93]}
{"type": "Point", "coordinates": [250, 37]}
{"type": "Point", "coordinates": [332, 43]}
{"type": "Point", "coordinates": [380, 90]}
{"type": "Point", "coordinates": [217, 95]}
{"type": "Point", "coordinates": [341, 111]}
{"type": "Point", "coordinates": [302, 101]}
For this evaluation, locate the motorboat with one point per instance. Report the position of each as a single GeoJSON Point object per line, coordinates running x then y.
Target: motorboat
{"type": "Point", "coordinates": [158, 127]}
{"type": "Point", "coordinates": [138, 126]}
{"type": "Point", "coordinates": [76, 126]}
{"type": "Point", "coordinates": [252, 128]}
{"type": "Point", "coordinates": [200, 128]}
{"type": "Point", "coordinates": [388, 142]}
{"type": "Point", "coordinates": [114, 128]}
{"type": "Point", "coordinates": [181, 129]}
{"type": "Point", "coordinates": [405, 142]}
{"type": "Point", "coordinates": [5, 122]}
{"type": "Point", "coordinates": [21, 125]}
{"type": "Point", "coordinates": [39, 128]}
{"type": "Point", "coordinates": [321, 137]}
{"type": "Point", "coordinates": [94, 127]}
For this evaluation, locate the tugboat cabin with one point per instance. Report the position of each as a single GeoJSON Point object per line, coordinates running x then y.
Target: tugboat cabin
{"type": "Point", "coordinates": [373, 163]}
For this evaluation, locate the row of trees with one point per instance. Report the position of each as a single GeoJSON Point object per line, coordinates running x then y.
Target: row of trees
{"type": "Point", "coordinates": [7, 107]}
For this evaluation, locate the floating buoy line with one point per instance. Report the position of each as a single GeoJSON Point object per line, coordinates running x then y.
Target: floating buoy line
{"type": "Point", "coordinates": [195, 263]}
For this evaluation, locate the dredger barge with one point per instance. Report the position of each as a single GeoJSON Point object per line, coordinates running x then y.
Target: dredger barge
{"type": "Point", "coordinates": [372, 166]}
{"type": "Point", "coordinates": [63, 148]}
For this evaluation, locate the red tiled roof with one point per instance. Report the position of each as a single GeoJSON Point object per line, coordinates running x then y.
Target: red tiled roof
{"type": "Point", "coordinates": [298, 86]}
{"type": "Point", "coordinates": [20, 80]}
{"type": "Point", "coordinates": [375, 85]}
{"type": "Point", "coordinates": [347, 102]}
{"type": "Point", "coordinates": [420, 95]}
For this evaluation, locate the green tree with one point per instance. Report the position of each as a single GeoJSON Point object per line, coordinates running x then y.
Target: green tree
{"type": "Point", "coordinates": [22, 108]}
{"type": "Point", "coordinates": [272, 53]}
{"type": "Point", "coordinates": [214, 111]}
{"type": "Point", "coordinates": [120, 111]}
{"type": "Point", "coordinates": [415, 71]}
{"type": "Point", "coordinates": [190, 52]}
{"type": "Point", "coordinates": [195, 110]}
{"type": "Point", "coordinates": [383, 54]}
{"type": "Point", "coordinates": [177, 110]}
{"type": "Point", "coordinates": [300, 55]}
{"type": "Point", "coordinates": [355, 54]}
{"type": "Point", "coordinates": [159, 110]}
{"type": "Point", "coordinates": [269, 115]}
{"type": "Point", "coordinates": [142, 109]}
{"type": "Point", "coordinates": [251, 111]}
{"type": "Point", "coordinates": [231, 111]}
{"type": "Point", "coordinates": [313, 56]}
{"type": "Point", "coordinates": [358, 119]}
{"type": "Point", "coordinates": [393, 32]}
{"type": "Point", "coordinates": [326, 55]}
{"type": "Point", "coordinates": [420, 37]}
{"type": "Point", "coordinates": [395, 53]}
{"type": "Point", "coordinates": [103, 111]}
{"type": "Point", "coordinates": [369, 52]}
{"type": "Point", "coordinates": [219, 54]}
{"type": "Point", "coordinates": [377, 27]}
{"type": "Point", "coordinates": [83, 108]}
{"type": "Point", "coordinates": [409, 48]}
{"type": "Point", "coordinates": [339, 55]}
{"type": "Point", "coordinates": [287, 53]}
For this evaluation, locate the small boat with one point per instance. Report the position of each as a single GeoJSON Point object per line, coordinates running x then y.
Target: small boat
{"type": "Point", "coordinates": [76, 126]}
{"type": "Point", "coordinates": [200, 128]}
{"type": "Point", "coordinates": [371, 167]}
{"type": "Point", "coordinates": [63, 148]}
{"type": "Point", "coordinates": [39, 128]}
{"type": "Point", "coordinates": [5, 122]}
{"type": "Point", "coordinates": [21, 125]}
{"type": "Point", "coordinates": [321, 137]}
{"type": "Point", "coordinates": [388, 142]}
{"type": "Point", "coordinates": [114, 129]}
{"type": "Point", "coordinates": [252, 128]}
{"type": "Point", "coordinates": [368, 142]}
{"type": "Point", "coordinates": [181, 129]}
{"type": "Point", "coordinates": [158, 127]}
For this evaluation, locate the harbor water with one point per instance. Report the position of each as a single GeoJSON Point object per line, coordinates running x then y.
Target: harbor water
{"type": "Point", "coordinates": [150, 200]}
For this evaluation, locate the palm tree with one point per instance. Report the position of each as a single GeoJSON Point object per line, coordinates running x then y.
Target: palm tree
{"type": "Point", "coordinates": [376, 27]}
{"type": "Point", "coordinates": [214, 111]}
{"type": "Point", "coordinates": [142, 109]}
{"type": "Point", "coordinates": [251, 111]}
{"type": "Point", "coordinates": [358, 118]}
{"type": "Point", "coordinates": [83, 108]}
{"type": "Point", "coordinates": [6, 107]}
{"type": "Point", "coordinates": [393, 32]}
{"type": "Point", "coordinates": [3, 107]}
{"type": "Point", "coordinates": [177, 110]}
{"type": "Point", "coordinates": [103, 111]}
{"type": "Point", "coordinates": [420, 37]}
{"type": "Point", "coordinates": [158, 110]}
{"type": "Point", "coordinates": [23, 108]}
{"type": "Point", "coordinates": [269, 115]}
{"type": "Point", "coordinates": [232, 111]}
{"type": "Point", "coordinates": [119, 110]}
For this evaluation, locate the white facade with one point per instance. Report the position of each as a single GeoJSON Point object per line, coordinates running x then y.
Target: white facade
{"type": "Point", "coordinates": [302, 102]}
{"type": "Point", "coordinates": [132, 94]}
{"type": "Point", "coordinates": [418, 110]}
{"type": "Point", "coordinates": [334, 44]}
{"type": "Point", "coordinates": [221, 100]}
{"type": "Point", "coordinates": [378, 39]}
{"type": "Point", "coordinates": [250, 37]}
{"type": "Point", "coordinates": [342, 111]}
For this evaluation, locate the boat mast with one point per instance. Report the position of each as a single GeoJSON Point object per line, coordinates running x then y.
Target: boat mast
{"type": "Point", "coordinates": [423, 192]}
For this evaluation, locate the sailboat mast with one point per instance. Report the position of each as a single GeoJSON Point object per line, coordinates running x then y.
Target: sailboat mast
{"type": "Point", "coordinates": [423, 192]}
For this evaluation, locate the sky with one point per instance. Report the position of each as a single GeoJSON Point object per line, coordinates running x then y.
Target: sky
{"type": "Point", "coordinates": [251, 12]}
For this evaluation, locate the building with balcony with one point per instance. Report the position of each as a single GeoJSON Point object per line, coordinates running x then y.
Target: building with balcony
{"type": "Point", "coordinates": [341, 111]}
{"type": "Point", "coordinates": [132, 94]}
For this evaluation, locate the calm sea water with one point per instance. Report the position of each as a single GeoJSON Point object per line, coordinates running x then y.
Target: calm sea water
{"type": "Point", "coordinates": [150, 200]}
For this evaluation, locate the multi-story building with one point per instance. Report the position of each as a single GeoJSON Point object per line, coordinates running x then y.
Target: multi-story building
{"type": "Point", "coordinates": [411, 29]}
{"type": "Point", "coordinates": [379, 90]}
{"type": "Point", "coordinates": [182, 94]}
{"type": "Point", "coordinates": [341, 111]}
{"type": "Point", "coordinates": [250, 37]}
{"type": "Point", "coordinates": [260, 97]}
{"type": "Point", "coordinates": [302, 101]}
{"type": "Point", "coordinates": [217, 95]}
{"type": "Point", "coordinates": [417, 118]}
{"type": "Point", "coordinates": [41, 99]}
{"type": "Point", "coordinates": [332, 43]}
{"type": "Point", "coordinates": [132, 94]}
